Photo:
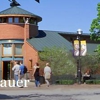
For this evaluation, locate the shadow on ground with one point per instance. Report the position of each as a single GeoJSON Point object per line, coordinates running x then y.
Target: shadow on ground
{"type": "Point", "coordinates": [3, 96]}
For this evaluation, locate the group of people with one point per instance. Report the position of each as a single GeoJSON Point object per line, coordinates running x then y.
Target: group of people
{"type": "Point", "coordinates": [19, 71]}
{"type": "Point", "coordinates": [36, 74]}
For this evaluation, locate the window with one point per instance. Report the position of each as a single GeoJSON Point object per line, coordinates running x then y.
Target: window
{"type": "Point", "coordinates": [35, 22]}
{"type": "Point", "coordinates": [7, 49]}
{"type": "Point", "coordinates": [16, 20]}
{"type": "Point", "coordinates": [5, 20]}
{"type": "Point", "coordinates": [18, 49]}
{"type": "Point", "coordinates": [10, 20]}
{"type": "Point", "coordinates": [32, 21]}
{"type": "Point", "coordinates": [0, 20]}
{"type": "Point", "coordinates": [21, 20]}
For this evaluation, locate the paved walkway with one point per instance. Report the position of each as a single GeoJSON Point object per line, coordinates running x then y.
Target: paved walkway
{"type": "Point", "coordinates": [31, 86]}
{"type": "Point", "coordinates": [54, 92]}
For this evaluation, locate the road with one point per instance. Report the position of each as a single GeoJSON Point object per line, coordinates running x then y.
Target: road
{"type": "Point", "coordinates": [54, 92]}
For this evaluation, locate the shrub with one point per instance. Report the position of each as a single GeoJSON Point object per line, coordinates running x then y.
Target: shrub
{"type": "Point", "coordinates": [91, 62]}
{"type": "Point", "coordinates": [97, 81]}
{"type": "Point", "coordinates": [61, 61]}
{"type": "Point", "coordinates": [92, 81]}
{"type": "Point", "coordinates": [64, 82]}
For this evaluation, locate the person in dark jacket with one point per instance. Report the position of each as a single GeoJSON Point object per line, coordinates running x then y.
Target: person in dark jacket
{"type": "Point", "coordinates": [37, 75]}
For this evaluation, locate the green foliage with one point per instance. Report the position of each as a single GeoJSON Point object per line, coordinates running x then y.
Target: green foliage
{"type": "Point", "coordinates": [95, 26]}
{"type": "Point", "coordinates": [65, 82]}
{"type": "Point", "coordinates": [95, 35]}
{"type": "Point", "coordinates": [93, 81]}
{"type": "Point", "coordinates": [90, 62]}
{"type": "Point", "coordinates": [98, 50]}
{"type": "Point", "coordinates": [97, 81]}
{"type": "Point", "coordinates": [90, 81]}
{"type": "Point", "coordinates": [61, 60]}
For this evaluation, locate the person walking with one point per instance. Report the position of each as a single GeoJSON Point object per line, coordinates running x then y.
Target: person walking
{"type": "Point", "coordinates": [21, 70]}
{"type": "Point", "coordinates": [37, 75]}
{"type": "Point", "coordinates": [47, 74]}
{"type": "Point", "coordinates": [16, 71]}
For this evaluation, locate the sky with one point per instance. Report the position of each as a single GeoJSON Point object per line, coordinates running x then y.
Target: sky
{"type": "Point", "coordinates": [60, 15]}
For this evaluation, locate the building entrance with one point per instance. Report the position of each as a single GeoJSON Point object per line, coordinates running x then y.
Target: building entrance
{"type": "Point", "coordinates": [7, 70]}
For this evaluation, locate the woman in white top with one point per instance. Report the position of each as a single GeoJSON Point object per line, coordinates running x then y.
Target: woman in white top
{"type": "Point", "coordinates": [47, 73]}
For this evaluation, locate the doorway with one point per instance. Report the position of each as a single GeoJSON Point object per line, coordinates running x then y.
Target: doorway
{"type": "Point", "coordinates": [6, 70]}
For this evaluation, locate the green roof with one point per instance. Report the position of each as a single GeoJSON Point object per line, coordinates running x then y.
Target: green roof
{"type": "Point", "coordinates": [49, 39]}
{"type": "Point", "coordinates": [18, 11]}
{"type": "Point", "coordinates": [53, 38]}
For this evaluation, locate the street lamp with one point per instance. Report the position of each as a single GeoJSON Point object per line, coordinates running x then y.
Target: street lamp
{"type": "Point", "coordinates": [79, 32]}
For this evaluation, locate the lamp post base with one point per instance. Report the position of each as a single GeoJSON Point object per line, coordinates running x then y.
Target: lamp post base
{"type": "Point", "coordinates": [79, 75]}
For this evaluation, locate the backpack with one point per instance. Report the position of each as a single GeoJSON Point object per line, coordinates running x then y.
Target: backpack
{"type": "Point", "coordinates": [25, 69]}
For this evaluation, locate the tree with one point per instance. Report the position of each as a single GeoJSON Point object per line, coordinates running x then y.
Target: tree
{"type": "Point", "coordinates": [97, 50]}
{"type": "Point", "coordinates": [95, 35]}
{"type": "Point", "coordinates": [90, 62]}
{"type": "Point", "coordinates": [61, 60]}
{"type": "Point", "coordinates": [95, 26]}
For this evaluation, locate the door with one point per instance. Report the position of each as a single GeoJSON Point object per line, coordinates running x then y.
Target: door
{"type": "Point", "coordinates": [6, 70]}
{"type": "Point", "coordinates": [11, 72]}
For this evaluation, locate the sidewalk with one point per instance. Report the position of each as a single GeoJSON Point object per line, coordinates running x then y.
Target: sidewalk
{"type": "Point", "coordinates": [31, 86]}
{"type": "Point", "coordinates": [54, 92]}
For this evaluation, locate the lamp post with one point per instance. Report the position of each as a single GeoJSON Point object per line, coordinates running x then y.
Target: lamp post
{"type": "Point", "coordinates": [79, 32]}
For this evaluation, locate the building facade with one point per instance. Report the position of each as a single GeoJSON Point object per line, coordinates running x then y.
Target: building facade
{"type": "Point", "coordinates": [16, 26]}
{"type": "Point", "coordinates": [20, 40]}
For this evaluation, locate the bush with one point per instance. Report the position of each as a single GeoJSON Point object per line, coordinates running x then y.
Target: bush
{"type": "Point", "coordinates": [97, 81]}
{"type": "Point", "coordinates": [65, 82]}
{"type": "Point", "coordinates": [61, 61]}
{"type": "Point", "coordinates": [92, 81]}
{"type": "Point", "coordinates": [90, 62]}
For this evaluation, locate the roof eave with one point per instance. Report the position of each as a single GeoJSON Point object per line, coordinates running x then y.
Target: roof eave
{"type": "Point", "coordinates": [21, 15]}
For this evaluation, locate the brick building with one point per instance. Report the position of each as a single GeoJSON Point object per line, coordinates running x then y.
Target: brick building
{"type": "Point", "coordinates": [21, 40]}
{"type": "Point", "coordinates": [16, 26]}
